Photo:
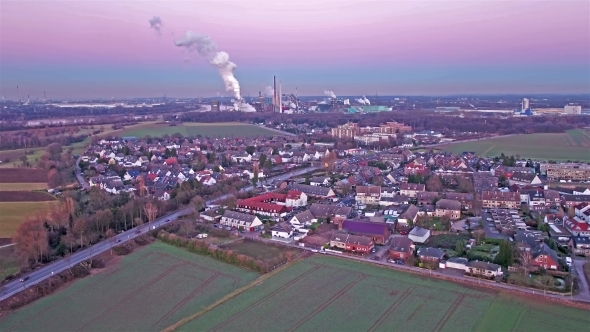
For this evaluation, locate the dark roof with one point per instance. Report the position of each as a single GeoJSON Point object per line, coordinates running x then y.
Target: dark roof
{"type": "Point", "coordinates": [363, 227]}
{"type": "Point", "coordinates": [448, 204]}
{"type": "Point", "coordinates": [401, 244]}
{"type": "Point", "coordinates": [581, 240]}
{"type": "Point", "coordinates": [431, 252]}
{"type": "Point", "coordinates": [484, 265]}
{"type": "Point", "coordinates": [543, 249]}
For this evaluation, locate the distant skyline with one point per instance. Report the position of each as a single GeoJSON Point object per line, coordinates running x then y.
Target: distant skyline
{"type": "Point", "coordinates": [104, 49]}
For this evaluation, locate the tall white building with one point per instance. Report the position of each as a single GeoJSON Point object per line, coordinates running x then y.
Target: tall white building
{"type": "Point", "coordinates": [525, 104]}
{"type": "Point", "coordinates": [572, 109]}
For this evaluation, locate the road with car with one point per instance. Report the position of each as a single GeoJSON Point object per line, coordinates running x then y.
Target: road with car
{"type": "Point", "coordinates": [60, 265]}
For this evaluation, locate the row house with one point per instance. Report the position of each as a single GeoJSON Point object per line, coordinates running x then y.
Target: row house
{"type": "Point", "coordinates": [466, 199]}
{"type": "Point", "coordinates": [426, 197]}
{"type": "Point", "coordinates": [414, 168]}
{"type": "Point", "coordinates": [525, 179]}
{"type": "Point", "coordinates": [577, 226]}
{"type": "Point", "coordinates": [572, 200]}
{"type": "Point", "coordinates": [411, 189]}
{"type": "Point", "coordinates": [351, 243]}
{"type": "Point", "coordinates": [240, 220]}
{"type": "Point", "coordinates": [378, 232]}
{"type": "Point", "coordinates": [370, 195]}
{"type": "Point", "coordinates": [582, 211]}
{"type": "Point", "coordinates": [314, 191]}
{"type": "Point", "coordinates": [580, 245]}
{"type": "Point", "coordinates": [566, 171]}
{"type": "Point", "coordinates": [497, 199]}
{"type": "Point", "coordinates": [448, 208]}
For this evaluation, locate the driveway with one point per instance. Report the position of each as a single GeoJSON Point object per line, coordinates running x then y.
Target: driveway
{"type": "Point", "coordinates": [578, 269]}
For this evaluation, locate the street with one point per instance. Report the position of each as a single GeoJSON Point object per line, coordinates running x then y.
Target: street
{"type": "Point", "coordinates": [60, 265]}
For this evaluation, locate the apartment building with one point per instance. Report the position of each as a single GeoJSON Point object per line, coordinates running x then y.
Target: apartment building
{"type": "Point", "coordinates": [566, 171]}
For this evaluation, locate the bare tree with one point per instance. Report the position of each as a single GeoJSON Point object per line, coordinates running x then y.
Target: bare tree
{"type": "Point", "coordinates": [525, 258]}
{"type": "Point", "coordinates": [151, 211]}
{"type": "Point", "coordinates": [187, 225]}
{"type": "Point", "coordinates": [198, 203]}
{"type": "Point", "coordinates": [545, 281]}
{"type": "Point", "coordinates": [31, 241]}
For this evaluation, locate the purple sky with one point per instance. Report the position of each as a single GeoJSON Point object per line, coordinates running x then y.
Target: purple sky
{"type": "Point", "coordinates": [106, 49]}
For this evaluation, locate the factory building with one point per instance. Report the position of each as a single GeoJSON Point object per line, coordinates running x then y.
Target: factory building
{"type": "Point", "coordinates": [572, 109]}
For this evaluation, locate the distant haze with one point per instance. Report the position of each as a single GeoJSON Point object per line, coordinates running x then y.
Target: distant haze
{"type": "Point", "coordinates": [104, 49]}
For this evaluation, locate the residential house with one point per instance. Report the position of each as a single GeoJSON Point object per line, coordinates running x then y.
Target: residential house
{"type": "Point", "coordinates": [411, 189]}
{"type": "Point", "coordinates": [525, 179]}
{"type": "Point", "coordinates": [459, 263]}
{"type": "Point", "coordinates": [419, 235]}
{"type": "Point", "coordinates": [314, 191]}
{"type": "Point", "coordinates": [319, 181]}
{"type": "Point", "coordinates": [409, 216]}
{"type": "Point", "coordinates": [483, 269]}
{"type": "Point", "coordinates": [377, 231]}
{"type": "Point", "coordinates": [368, 195]}
{"type": "Point", "coordinates": [448, 208]}
{"type": "Point", "coordinates": [577, 226]}
{"type": "Point", "coordinates": [240, 220]}
{"type": "Point", "coordinates": [580, 245]}
{"type": "Point", "coordinates": [359, 244]}
{"type": "Point", "coordinates": [498, 199]}
{"type": "Point", "coordinates": [429, 254]}
{"type": "Point", "coordinates": [571, 200]}
{"type": "Point", "coordinates": [465, 199]}
{"type": "Point", "coordinates": [426, 197]}
{"type": "Point", "coordinates": [302, 219]}
{"type": "Point", "coordinates": [336, 214]}
{"type": "Point", "coordinates": [545, 257]}
{"type": "Point", "coordinates": [401, 248]}
{"type": "Point", "coordinates": [282, 230]}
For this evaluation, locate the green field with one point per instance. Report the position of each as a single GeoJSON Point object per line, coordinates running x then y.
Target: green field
{"type": "Point", "coordinates": [572, 145]}
{"type": "Point", "coordinates": [14, 213]}
{"type": "Point", "coordinates": [226, 129]}
{"type": "Point", "coordinates": [150, 289]}
{"type": "Point", "coordinates": [258, 250]}
{"type": "Point", "coordinates": [330, 294]}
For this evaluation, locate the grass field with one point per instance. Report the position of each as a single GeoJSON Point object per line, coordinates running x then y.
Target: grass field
{"type": "Point", "coordinates": [226, 129]}
{"type": "Point", "coordinates": [329, 294]}
{"type": "Point", "coordinates": [14, 213]}
{"type": "Point", "coordinates": [572, 145]}
{"type": "Point", "coordinates": [22, 186]}
{"type": "Point", "coordinates": [8, 262]}
{"type": "Point", "coordinates": [255, 249]}
{"type": "Point", "coordinates": [32, 158]}
{"type": "Point", "coordinates": [150, 289]}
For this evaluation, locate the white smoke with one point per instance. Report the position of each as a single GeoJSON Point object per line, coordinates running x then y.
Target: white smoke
{"type": "Point", "coordinates": [292, 105]}
{"type": "Point", "coordinates": [156, 23]}
{"type": "Point", "coordinates": [330, 94]}
{"type": "Point", "coordinates": [244, 107]}
{"type": "Point", "coordinates": [269, 91]}
{"type": "Point", "coordinates": [363, 101]}
{"type": "Point", "coordinates": [208, 49]}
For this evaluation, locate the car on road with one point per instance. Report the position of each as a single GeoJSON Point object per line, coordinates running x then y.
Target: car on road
{"type": "Point", "coordinates": [23, 279]}
{"type": "Point", "coordinates": [167, 220]}
{"type": "Point", "coordinates": [118, 240]}
{"type": "Point", "coordinates": [137, 232]}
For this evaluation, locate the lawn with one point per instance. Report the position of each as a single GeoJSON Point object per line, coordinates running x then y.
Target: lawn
{"type": "Point", "coordinates": [14, 213]}
{"type": "Point", "coordinates": [22, 186]}
{"type": "Point", "coordinates": [572, 145]}
{"type": "Point", "coordinates": [8, 262]}
{"type": "Point", "coordinates": [330, 294]}
{"type": "Point", "coordinates": [150, 289]}
{"type": "Point", "coordinates": [225, 129]}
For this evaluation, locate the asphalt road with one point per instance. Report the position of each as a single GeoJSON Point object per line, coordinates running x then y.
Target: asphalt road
{"type": "Point", "coordinates": [79, 175]}
{"type": "Point", "coordinates": [58, 266]}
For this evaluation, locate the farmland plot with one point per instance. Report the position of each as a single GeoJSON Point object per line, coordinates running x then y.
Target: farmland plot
{"type": "Point", "coordinates": [149, 290]}
{"type": "Point", "coordinates": [323, 293]}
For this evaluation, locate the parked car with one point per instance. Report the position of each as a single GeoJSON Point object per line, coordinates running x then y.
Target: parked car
{"type": "Point", "coordinates": [373, 249]}
{"type": "Point", "coordinates": [568, 260]}
{"type": "Point", "coordinates": [399, 262]}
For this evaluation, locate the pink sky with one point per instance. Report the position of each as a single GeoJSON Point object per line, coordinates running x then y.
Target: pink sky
{"type": "Point", "coordinates": [299, 33]}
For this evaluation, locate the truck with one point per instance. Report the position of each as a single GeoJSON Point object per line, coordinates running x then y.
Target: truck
{"type": "Point", "coordinates": [202, 235]}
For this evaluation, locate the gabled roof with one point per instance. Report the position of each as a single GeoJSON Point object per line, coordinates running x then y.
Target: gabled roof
{"type": "Point", "coordinates": [401, 244]}
{"type": "Point", "coordinates": [543, 249]}
{"type": "Point", "coordinates": [363, 227]}
{"type": "Point", "coordinates": [431, 252]}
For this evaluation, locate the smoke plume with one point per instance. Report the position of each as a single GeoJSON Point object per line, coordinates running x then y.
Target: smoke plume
{"type": "Point", "coordinates": [269, 91]}
{"type": "Point", "coordinates": [244, 107]}
{"type": "Point", "coordinates": [330, 94]}
{"type": "Point", "coordinates": [363, 101]}
{"type": "Point", "coordinates": [156, 23]}
{"type": "Point", "coordinates": [208, 49]}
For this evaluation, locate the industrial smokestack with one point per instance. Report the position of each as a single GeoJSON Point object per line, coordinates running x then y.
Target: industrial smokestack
{"type": "Point", "coordinates": [274, 93]}
{"type": "Point", "coordinates": [280, 97]}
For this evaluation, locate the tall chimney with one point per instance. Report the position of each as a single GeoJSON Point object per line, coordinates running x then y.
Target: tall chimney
{"type": "Point", "coordinates": [274, 96]}
{"type": "Point", "coordinates": [280, 97]}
